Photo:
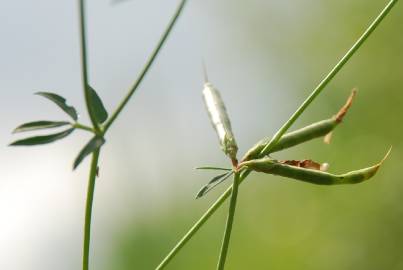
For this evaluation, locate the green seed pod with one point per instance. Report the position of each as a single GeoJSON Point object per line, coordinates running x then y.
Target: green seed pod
{"type": "Point", "coordinates": [291, 139]}
{"type": "Point", "coordinates": [270, 166]}
{"type": "Point", "coordinates": [220, 120]}
{"type": "Point", "coordinates": [313, 131]}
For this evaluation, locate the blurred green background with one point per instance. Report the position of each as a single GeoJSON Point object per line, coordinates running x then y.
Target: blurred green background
{"type": "Point", "coordinates": [265, 57]}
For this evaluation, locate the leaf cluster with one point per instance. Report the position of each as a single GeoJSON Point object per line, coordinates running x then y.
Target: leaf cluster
{"type": "Point", "coordinates": [100, 113]}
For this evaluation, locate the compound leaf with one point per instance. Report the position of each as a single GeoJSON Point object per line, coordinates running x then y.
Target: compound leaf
{"type": "Point", "coordinates": [61, 102]}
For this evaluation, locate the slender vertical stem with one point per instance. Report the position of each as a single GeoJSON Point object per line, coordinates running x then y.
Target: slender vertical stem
{"type": "Point", "coordinates": [194, 229]}
{"type": "Point", "coordinates": [96, 127]}
{"type": "Point", "coordinates": [147, 65]}
{"type": "Point", "coordinates": [88, 209]}
{"type": "Point", "coordinates": [95, 155]}
{"type": "Point", "coordinates": [84, 65]}
{"type": "Point", "coordinates": [278, 135]}
{"type": "Point", "coordinates": [230, 221]}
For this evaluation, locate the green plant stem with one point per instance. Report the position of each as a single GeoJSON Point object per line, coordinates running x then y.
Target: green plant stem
{"type": "Point", "coordinates": [147, 66]}
{"type": "Point", "coordinates": [230, 221]}
{"type": "Point", "coordinates": [278, 135]}
{"type": "Point", "coordinates": [96, 127]}
{"type": "Point", "coordinates": [199, 223]}
{"type": "Point", "coordinates": [194, 229]}
{"type": "Point", "coordinates": [83, 127]}
{"type": "Point", "coordinates": [88, 208]}
{"type": "Point", "coordinates": [84, 65]}
{"type": "Point", "coordinates": [328, 77]}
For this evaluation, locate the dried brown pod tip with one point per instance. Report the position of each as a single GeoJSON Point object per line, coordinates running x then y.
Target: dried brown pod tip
{"type": "Point", "coordinates": [340, 115]}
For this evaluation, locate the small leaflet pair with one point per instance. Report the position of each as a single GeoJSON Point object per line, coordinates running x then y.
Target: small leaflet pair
{"type": "Point", "coordinates": [96, 142]}
{"type": "Point", "coordinates": [306, 170]}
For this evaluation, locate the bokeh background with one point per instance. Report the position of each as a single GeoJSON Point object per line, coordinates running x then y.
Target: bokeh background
{"type": "Point", "coordinates": [265, 57]}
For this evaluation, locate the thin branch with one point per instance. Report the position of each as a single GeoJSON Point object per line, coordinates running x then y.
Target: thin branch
{"type": "Point", "coordinates": [84, 65]}
{"type": "Point", "coordinates": [182, 242]}
{"type": "Point", "coordinates": [328, 78]}
{"type": "Point", "coordinates": [88, 208]}
{"type": "Point", "coordinates": [147, 65]}
{"type": "Point", "coordinates": [83, 127]}
{"type": "Point", "coordinates": [230, 221]}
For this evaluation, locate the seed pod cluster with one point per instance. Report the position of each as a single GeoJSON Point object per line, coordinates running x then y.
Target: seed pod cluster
{"type": "Point", "coordinates": [220, 120]}
{"type": "Point", "coordinates": [303, 170]}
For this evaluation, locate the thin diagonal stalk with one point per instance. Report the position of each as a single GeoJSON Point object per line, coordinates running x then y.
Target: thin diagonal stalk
{"type": "Point", "coordinates": [147, 65]}
{"type": "Point", "coordinates": [278, 135]}
{"type": "Point", "coordinates": [328, 78]}
{"type": "Point", "coordinates": [88, 208]}
{"type": "Point", "coordinates": [230, 221]}
{"type": "Point", "coordinates": [194, 229]}
{"type": "Point", "coordinates": [84, 65]}
{"type": "Point", "coordinates": [199, 223]}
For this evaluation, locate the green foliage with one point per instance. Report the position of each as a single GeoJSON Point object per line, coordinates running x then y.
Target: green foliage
{"type": "Point", "coordinates": [213, 183]}
{"type": "Point", "coordinates": [38, 140]}
{"type": "Point", "coordinates": [94, 144]}
{"type": "Point", "coordinates": [97, 105]}
{"type": "Point", "coordinates": [39, 125]}
{"type": "Point", "coordinates": [61, 102]}
{"type": "Point", "coordinates": [36, 125]}
{"type": "Point", "coordinates": [98, 115]}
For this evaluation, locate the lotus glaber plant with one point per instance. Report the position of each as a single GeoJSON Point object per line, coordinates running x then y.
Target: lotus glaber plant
{"type": "Point", "coordinates": [259, 157]}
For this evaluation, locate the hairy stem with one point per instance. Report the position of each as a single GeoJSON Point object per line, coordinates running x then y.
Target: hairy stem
{"type": "Point", "coordinates": [84, 65]}
{"type": "Point", "coordinates": [147, 65]}
{"type": "Point", "coordinates": [279, 134]}
{"type": "Point", "coordinates": [88, 208]}
{"type": "Point", "coordinates": [230, 221]}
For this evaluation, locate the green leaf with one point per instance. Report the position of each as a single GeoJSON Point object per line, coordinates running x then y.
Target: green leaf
{"type": "Point", "coordinates": [37, 140]}
{"type": "Point", "coordinates": [213, 183]}
{"type": "Point", "coordinates": [39, 125]}
{"type": "Point", "coordinates": [212, 168]}
{"type": "Point", "coordinates": [90, 147]}
{"type": "Point", "coordinates": [98, 107]}
{"type": "Point", "coordinates": [61, 102]}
